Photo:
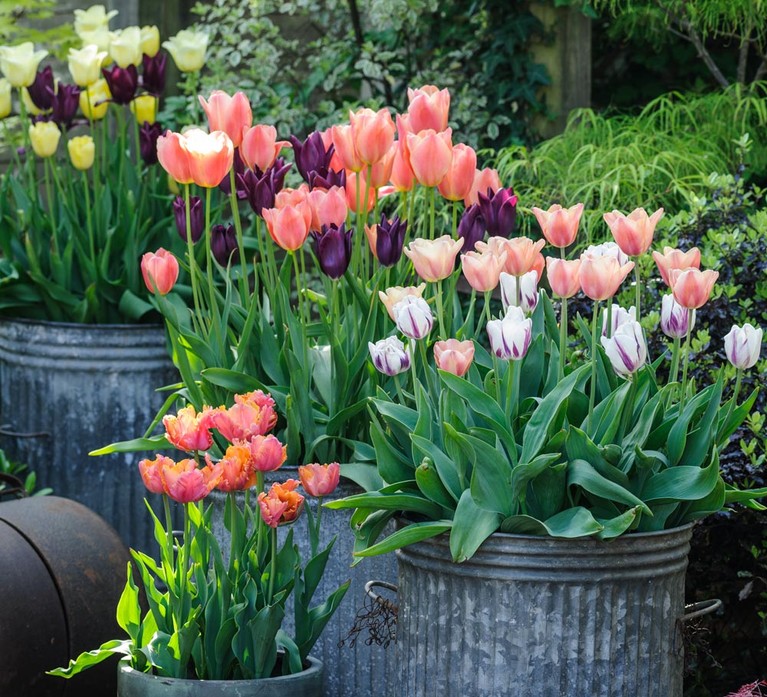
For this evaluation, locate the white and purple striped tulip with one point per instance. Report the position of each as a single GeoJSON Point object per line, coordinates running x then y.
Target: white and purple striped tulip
{"type": "Point", "coordinates": [619, 317]}
{"type": "Point", "coordinates": [413, 317]}
{"type": "Point", "coordinates": [743, 345]}
{"type": "Point", "coordinates": [510, 337]}
{"type": "Point", "coordinates": [626, 349]}
{"type": "Point", "coordinates": [674, 318]}
{"type": "Point", "coordinates": [528, 291]}
{"type": "Point", "coordinates": [389, 356]}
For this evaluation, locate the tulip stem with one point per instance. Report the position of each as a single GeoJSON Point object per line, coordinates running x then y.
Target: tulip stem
{"type": "Point", "coordinates": [593, 385]}
{"type": "Point", "coordinates": [28, 159]}
{"type": "Point", "coordinates": [455, 220]}
{"type": "Point", "coordinates": [261, 524]}
{"type": "Point", "coordinates": [243, 280]}
{"type": "Point", "coordinates": [398, 387]}
{"type": "Point", "coordinates": [562, 338]}
{"type": "Point", "coordinates": [212, 305]}
{"type": "Point", "coordinates": [675, 360]}
{"type": "Point", "coordinates": [89, 222]}
{"type": "Point", "coordinates": [686, 360]}
{"type": "Point", "coordinates": [638, 293]}
{"type": "Point", "coordinates": [735, 393]}
{"type": "Point", "coordinates": [432, 198]}
{"type": "Point", "coordinates": [192, 265]}
{"type": "Point", "coordinates": [51, 205]}
{"type": "Point", "coordinates": [511, 406]}
{"type": "Point", "coordinates": [440, 311]}
{"type": "Point", "coordinates": [273, 570]}
{"type": "Point", "coordinates": [497, 379]}
{"type": "Point", "coordinates": [608, 328]}
{"type": "Point", "coordinates": [358, 224]}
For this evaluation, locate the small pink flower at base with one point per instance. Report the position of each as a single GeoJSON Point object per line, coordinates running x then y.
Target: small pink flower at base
{"type": "Point", "coordinates": [482, 270]}
{"type": "Point", "coordinates": [372, 134]}
{"type": "Point", "coordinates": [320, 480]}
{"type": "Point", "coordinates": [633, 232]}
{"type": "Point", "coordinates": [267, 453]}
{"type": "Point", "coordinates": [434, 260]}
{"type": "Point", "coordinates": [510, 337]}
{"type": "Point", "coordinates": [674, 318]}
{"type": "Point", "coordinates": [626, 348]}
{"type": "Point", "coordinates": [528, 291]}
{"type": "Point", "coordinates": [459, 178]}
{"type": "Point", "coordinates": [559, 225]}
{"type": "Point", "coordinates": [151, 472]}
{"type": "Point", "coordinates": [619, 318]}
{"type": "Point", "coordinates": [189, 430]}
{"type": "Point", "coordinates": [743, 346]}
{"type": "Point", "coordinates": [564, 276]}
{"type": "Point", "coordinates": [413, 317]}
{"type": "Point", "coordinates": [431, 153]}
{"type": "Point", "coordinates": [160, 271]}
{"type": "Point", "coordinates": [232, 115]}
{"type": "Point", "coordinates": [389, 356]}
{"type": "Point", "coordinates": [396, 293]}
{"type": "Point", "coordinates": [602, 276]}
{"type": "Point", "coordinates": [210, 156]}
{"type": "Point", "coordinates": [288, 226]}
{"type": "Point", "coordinates": [236, 468]}
{"type": "Point", "coordinates": [675, 259]}
{"type": "Point", "coordinates": [173, 157]}
{"type": "Point", "coordinates": [260, 147]}
{"type": "Point", "coordinates": [184, 482]}
{"type": "Point", "coordinates": [692, 287]}
{"type": "Point", "coordinates": [271, 509]}
{"type": "Point", "coordinates": [454, 356]}
{"type": "Point", "coordinates": [484, 179]}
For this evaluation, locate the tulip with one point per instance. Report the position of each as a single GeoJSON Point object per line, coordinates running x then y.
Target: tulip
{"type": "Point", "coordinates": [331, 179]}
{"type": "Point", "coordinates": [499, 212]}
{"type": "Point", "coordinates": [125, 46]}
{"type": "Point", "coordinates": [236, 468]}
{"type": "Point", "coordinates": [223, 244]}
{"type": "Point", "coordinates": [188, 430]}
{"type": "Point", "coordinates": [380, 172]}
{"type": "Point", "coordinates": [271, 509]}
{"type": "Point", "coordinates": [151, 472]}
{"type": "Point", "coordinates": [559, 225]}
{"type": "Point", "coordinates": [458, 180]}
{"type": "Point", "coordinates": [389, 356]}
{"type": "Point", "coordinates": [372, 134]}
{"type": "Point", "coordinates": [211, 156]}
{"type": "Point", "coordinates": [402, 176]}
{"type": "Point", "coordinates": [482, 270]}
{"type": "Point", "coordinates": [454, 356]}
{"type": "Point", "coordinates": [293, 197]}
{"type": "Point", "coordinates": [144, 108]}
{"type": "Point", "coordinates": [42, 89]}
{"type": "Point", "coordinates": [413, 317]}
{"type": "Point", "coordinates": [521, 255]}
{"type": "Point", "coordinates": [85, 64]}
{"type": "Point", "coordinates": [267, 453]}
{"type": "Point", "coordinates": [692, 287]}
{"type": "Point", "coordinates": [389, 238]}
{"type": "Point", "coordinates": [95, 18]}
{"type": "Point", "coordinates": [288, 226]}
{"type": "Point", "coordinates": [232, 115]}
{"type": "Point", "coordinates": [184, 482]}
{"type": "Point", "coordinates": [196, 217]}
{"type": "Point", "coordinates": [486, 182]}
{"type": "Point", "coordinates": [261, 191]}
{"type": "Point", "coordinates": [160, 271]}
{"type": "Point", "coordinates": [150, 41]}
{"type": "Point", "coordinates": [345, 148]}
{"type": "Point", "coordinates": [607, 249]}
{"type": "Point", "coordinates": [428, 109]}
{"type": "Point", "coordinates": [471, 227]}
{"type": "Point", "coordinates": [64, 104]}
{"type": "Point", "coordinates": [19, 63]}
{"type": "Point", "coordinates": [396, 293]}
{"type": "Point", "coordinates": [173, 157]}
{"type": "Point", "coordinates": [510, 337]}
{"type": "Point", "coordinates": [263, 401]}
{"type": "Point", "coordinates": [674, 319]}
{"type": "Point", "coordinates": [353, 197]}
{"type": "Point", "coordinates": [743, 346]}
{"type": "Point", "coordinates": [281, 498]}
{"type": "Point", "coordinates": [100, 38]}
{"type": "Point", "coordinates": [626, 348]}
{"type": "Point", "coordinates": [521, 291]}
{"type": "Point", "coordinates": [320, 480]}
{"type": "Point", "coordinates": [617, 317]}
{"type": "Point", "coordinates": [6, 103]}
{"type": "Point", "coordinates": [122, 82]}
{"type": "Point", "coordinates": [94, 101]}
{"type": "Point", "coordinates": [82, 152]}
{"type": "Point", "coordinates": [334, 250]}
{"type": "Point", "coordinates": [244, 419]}
{"type": "Point", "coordinates": [434, 259]}
{"type": "Point", "coordinates": [601, 276]}
{"type": "Point", "coordinates": [675, 259]}
{"type": "Point", "coordinates": [148, 133]}
{"type": "Point", "coordinates": [328, 207]}
{"type": "Point", "coordinates": [187, 48]}
{"type": "Point", "coordinates": [564, 276]}
{"type": "Point", "coordinates": [431, 153]}
{"type": "Point", "coordinates": [44, 136]}
{"type": "Point", "coordinates": [259, 147]}
{"type": "Point", "coordinates": [633, 232]}
{"type": "Point", "coordinates": [153, 75]}
{"type": "Point", "coordinates": [312, 155]}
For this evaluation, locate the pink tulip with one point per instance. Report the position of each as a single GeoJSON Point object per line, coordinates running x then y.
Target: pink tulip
{"type": "Point", "coordinates": [601, 276]}
{"type": "Point", "coordinates": [343, 139]}
{"type": "Point", "coordinates": [434, 259]}
{"type": "Point", "coordinates": [320, 480]}
{"type": "Point", "coordinates": [188, 430]}
{"type": "Point", "coordinates": [402, 176]}
{"type": "Point", "coordinates": [260, 147]}
{"type": "Point", "coordinates": [292, 197]}
{"type": "Point", "coordinates": [282, 504]}
{"type": "Point", "coordinates": [328, 207]}
{"type": "Point", "coordinates": [271, 509]}
{"type": "Point", "coordinates": [236, 468]}
{"type": "Point", "coordinates": [482, 270]}
{"type": "Point", "coordinates": [267, 453]}
{"type": "Point", "coordinates": [372, 133]}
{"type": "Point", "coordinates": [692, 287]}
{"type": "Point", "coordinates": [430, 155]}
{"type": "Point", "coordinates": [522, 254]}
{"type": "Point", "coordinates": [675, 259]}
{"type": "Point", "coordinates": [459, 179]}
{"type": "Point", "coordinates": [381, 171]}
{"type": "Point", "coordinates": [160, 271]}
{"type": "Point", "coordinates": [454, 356]}
{"type": "Point", "coordinates": [559, 225]}
{"type": "Point", "coordinates": [483, 180]}
{"type": "Point", "coordinates": [151, 472]}
{"type": "Point", "coordinates": [327, 140]}
{"type": "Point", "coordinates": [633, 232]}
{"type": "Point", "coordinates": [289, 226]}
{"type": "Point", "coordinates": [210, 156]}
{"type": "Point", "coordinates": [232, 115]}
{"type": "Point", "coordinates": [394, 294]}
{"type": "Point", "coordinates": [184, 482]}
{"type": "Point", "coordinates": [173, 157]}
{"type": "Point", "coordinates": [244, 419]}
{"type": "Point", "coordinates": [351, 193]}
{"type": "Point", "coordinates": [429, 108]}
{"type": "Point", "coordinates": [564, 276]}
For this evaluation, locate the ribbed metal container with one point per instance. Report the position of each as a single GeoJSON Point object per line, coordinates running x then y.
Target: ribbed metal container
{"type": "Point", "coordinates": [67, 389]}
{"type": "Point", "coordinates": [542, 617]}
{"type": "Point", "coordinates": [361, 670]}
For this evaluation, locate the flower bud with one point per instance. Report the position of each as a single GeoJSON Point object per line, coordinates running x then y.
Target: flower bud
{"type": "Point", "coordinates": [82, 152]}
{"type": "Point", "coordinates": [389, 356]}
{"type": "Point", "coordinates": [94, 101]}
{"type": "Point", "coordinates": [395, 293]}
{"type": "Point", "coordinates": [674, 318]}
{"type": "Point", "coordinates": [454, 356]}
{"type": "Point", "coordinates": [125, 46]}
{"type": "Point", "coordinates": [160, 271]}
{"type": "Point", "coordinates": [619, 318]}
{"type": "Point", "coordinates": [223, 244]}
{"type": "Point", "coordinates": [187, 48]}
{"type": "Point", "coordinates": [413, 317]}
{"type": "Point", "coordinates": [44, 136]}
{"type": "Point", "coordinates": [743, 346]}
{"type": "Point", "coordinates": [510, 337]}
{"type": "Point", "coordinates": [626, 348]}
{"type": "Point", "coordinates": [19, 63]}
{"type": "Point", "coordinates": [149, 40]}
{"type": "Point", "coordinates": [196, 217]}
{"type": "Point", "coordinates": [144, 108]}
{"type": "Point", "coordinates": [320, 480]}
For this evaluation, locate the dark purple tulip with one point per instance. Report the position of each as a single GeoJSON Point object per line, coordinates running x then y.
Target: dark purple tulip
{"type": "Point", "coordinates": [223, 244]}
{"type": "Point", "coordinates": [122, 83]}
{"type": "Point", "coordinates": [148, 133]}
{"type": "Point", "coordinates": [41, 90]}
{"type": "Point", "coordinates": [334, 250]}
{"type": "Point", "coordinates": [239, 170]}
{"type": "Point", "coordinates": [196, 217]}
{"type": "Point", "coordinates": [262, 188]}
{"type": "Point", "coordinates": [311, 155]}
{"type": "Point", "coordinates": [389, 240]}
{"type": "Point", "coordinates": [153, 77]}
{"type": "Point", "coordinates": [471, 228]}
{"type": "Point", "coordinates": [499, 211]}
{"type": "Point", "coordinates": [279, 169]}
{"type": "Point", "coordinates": [64, 104]}
{"type": "Point", "coordinates": [332, 178]}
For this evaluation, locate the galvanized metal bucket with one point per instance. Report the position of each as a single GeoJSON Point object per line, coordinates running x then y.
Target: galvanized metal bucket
{"type": "Point", "coordinates": [543, 617]}
{"type": "Point", "coordinates": [67, 389]}
{"type": "Point", "coordinates": [353, 668]}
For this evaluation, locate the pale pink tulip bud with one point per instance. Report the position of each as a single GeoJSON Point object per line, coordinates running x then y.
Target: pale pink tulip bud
{"type": "Point", "coordinates": [372, 134]}
{"type": "Point", "coordinates": [743, 346]}
{"type": "Point", "coordinates": [454, 356]}
{"type": "Point", "coordinates": [429, 108]}
{"type": "Point", "coordinates": [483, 180]}
{"type": "Point", "coordinates": [674, 318]}
{"type": "Point", "coordinates": [430, 155]}
{"type": "Point", "coordinates": [510, 337]}
{"type": "Point", "coordinates": [320, 480]}
{"type": "Point", "coordinates": [482, 270]}
{"type": "Point", "coordinates": [459, 178]}
{"type": "Point", "coordinates": [601, 276]}
{"type": "Point", "coordinates": [434, 259]}
{"type": "Point", "coordinates": [260, 147]}
{"type": "Point", "coordinates": [633, 232]}
{"type": "Point", "coordinates": [160, 271]}
{"type": "Point", "coordinates": [675, 259]}
{"type": "Point", "coordinates": [396, 293]}
{"type": "Point", "coordinates": [619, 318]}
{"type": "Point", "coordinates": [559, 225]}
{"type": "Point", "coordinates": [231, 115]}
{"type": "Point", "coordinates": [413, 317]}
{"type": "Point", "coordinates": [389, 356]}
{"type": "Point", "coordinates": [528, 291]}
{"type": "Point", "coordinates": [564, 276]}
{"type": "Point", "coordinates": [626, 348]}
{"type": "Point", "coordinates": [692, 287]}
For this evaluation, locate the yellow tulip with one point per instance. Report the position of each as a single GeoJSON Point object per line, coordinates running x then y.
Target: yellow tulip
{"type": "Point", "coordinates": [44, 136]}
{"type": "Point", "coordinates": [82, 152]}
{"type": "Point", "coordinates": [6, 106]}
{"type": "Point", "coordinates": [188, 50]}
{"type": "Point", "coordinates": [125, 47]}
{"type": "Point", "coordinates": [19, 63]}
{"type": "Point", "coordinates": [100, 38]}
{"type": "Point", "coordinates": [150, 40]}
{"type": "Point", "coordinates": [93, 102]}
{"type": "Point", "coordinates": [94, 19]}
{"type": "Point", "coordinates": [144, 108]}
{"type": "Point", "coordinates": [85, 64]}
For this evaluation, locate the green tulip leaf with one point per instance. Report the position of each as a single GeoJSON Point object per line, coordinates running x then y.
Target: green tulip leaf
{"type": "Point", "coordinates": [390, 502]}
{"type": "Point", "coordinates": [472, 525]}
{"type": "Point", "coordinates": [410, 534]}
{"type": "Point", "coordinates": [682, 483]}
{"type": "Point", "coordinates": [581, 473]}
{"type": "Point", "coordinates": [571, 523]}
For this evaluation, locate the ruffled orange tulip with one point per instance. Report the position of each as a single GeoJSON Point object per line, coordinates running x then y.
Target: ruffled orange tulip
{"type": "Point", "coordinates": [429, 108]}
{"type": "Point", "coordinates": [457, 183]}
{"type": "Point", "coordinates": [601, 276]}
{"type": "Point", "coordinates": [559, 225]}
{"type": "Point", "coordinates": [260, 147]}
{"type": "Point", "coordinates": [232, 115]}
{"type": "Point", "coordinates": [151, 472]}
{"type": "Point", "coordinates": [160, 271]}
{"type": "Point", "coordinates": [320, 480]}
{"type": "Point", "coordinates": [633, 232]}
{"type": "Point", "coordinates": [244, 419]}
{"type": "Point", "coordinates": [482, 270]}
{"type": "Point", "coordinates": [454, 356]}
{"type": "Point", "coordinates": [675, 259]}
{"type": "Point", "coordinates": [283, 504]}
{"type": "Point", "coordinates": [692, 287]}
{"type": "Point", "coordinates": [186, 483]}
{"type": "Point", "coordinates": [564, 276]}
{"type": "Point", "coordinates": [289, 226]}
{"type": "Point", "coordinates": [271, 509]}
{"type": "Point", "coordinates": [267, 453]}
{"type": "Point", "coordinates": [372, 133]}
{"type": "Point", "coordinates": [431, 153]}
{"type": "Point", "coordinates": [236, 468]}
{"type": "Point", "coordinates": [188, 430]}
{"type": "Point", "coordinates": [434, 259]}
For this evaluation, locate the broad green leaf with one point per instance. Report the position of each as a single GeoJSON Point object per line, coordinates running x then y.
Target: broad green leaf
{"type": "Point", "coordinates": [612, 527]}
{"type": "Point", "coordinates": [581, 473]}
{"type": "Point", "coordinates": [391, 502]}
{"type": "Point", "coordinates": [91, 658]}
{"type": "Point", "coordinates": [471, 527]}
{"type": "Point", "coordinates": [580, 447]}
{"type": "Point", "coordinates": [682, 483]}
{"type": "Point", "coordinates": [445, 467]}
{"type": "Point", "coordinates": [410, 534]}
{"type": "Point", "coordinates": [570, 523]}
{"type": "Point", "coordinates": [431, 486]}
{"type": "Point", "coordinates": [132, 446]}
{"type": "Point", "coordinates": [491, 478]}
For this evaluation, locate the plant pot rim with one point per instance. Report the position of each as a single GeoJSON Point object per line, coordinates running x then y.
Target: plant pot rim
{"type": "Point", "coordinates": [80, 325]}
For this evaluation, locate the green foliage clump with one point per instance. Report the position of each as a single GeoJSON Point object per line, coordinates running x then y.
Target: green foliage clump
{"type": "Point", "coordinates": [20, 22]}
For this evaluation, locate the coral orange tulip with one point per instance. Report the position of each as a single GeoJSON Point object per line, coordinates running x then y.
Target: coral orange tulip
{"type": "Point", "coordinates": [559, 225]}
{"type": "Point", "coordinates": [328, 207]}
{"type": "Point", "coordinates": [173, 157]}
{"type": "Point", "coordinates": [459, 178]}
{"type": "Point", "coordinates": [564, 276]}
{"type": "Point", "coordinates": [343, 139]}
{"type": "Point", "coordinates": [633, 232]}
{"type": "Point", "coordinates": [151, 472]}
{"type": "Point", "coordinates": [675, 259]}
{"type": "Point", "coordinates": [482, 270]}
{"type": "Point", "coordinates": [232, 115]}
{"type": "Point", "coordinates": [188, 430]}
{"type": "Point", "coordinates": [484, 180]}
{"type": "Point", "coordinates": [184, 482]}
{"type": "Point", "coordinates": [289, 226]}
{"type": "Point", "coordinates": [260, 147]}
{"type": "Point", "coordinates": [351, 192]}
{"type": "Point", "coordinates": [402, 176]}
{"type": "Point", "coordinates": [381, 171]}
{"type": "Point", "coordinates": [431, 153]}
{"type": "Point", "coordinates": [160, 271]}
{"type": "Point", "coordinates": [372, 134]}
{"type": "Point", "coordinates": [429, 108]}
{"type": "Point", "coordinates": [601, 276]}
{"type": "Point", "coordinates": [454, 356]}
{"type": "Point", "coordinates": [692, 287]}
{"type": "Point", "coordinates": [267, 453]}
{"type": "Point", "coordinates": [320, 480]}
{"type": "Point", "coordinates": [236, 468]}
{"type": "Point", "coordinates": [210, 156]}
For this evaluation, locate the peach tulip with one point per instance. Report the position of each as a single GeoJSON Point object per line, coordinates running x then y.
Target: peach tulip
{"type": "Point", "coordinates": [601, 276]}
{"type": "Point", "coordinates": [151, 472]}
{"type": "Point", "coordinates": [284, 498]}
{"type": "Point", "coordinates": [173, 157]}
{"type": "Point", "coordinates": [381, 171]}
{"type": "Point", "coordinates": [692, 287]}
{"type": "Point", "coordinates": [271, 509]}
{"type": "Point", "coordinates": [244, 419]}
{"type": "Point", "coordinates": [343, 139]}
{"type": "Point", "coordinates": [564, 276]}
{"type": "Point", "coordinates": [372, 133]}
{"type": "Point", "coordinates": [292, 197]}
{"type": "Point", "coordinates": [327, 140]}
{"type": "Point", "coordinates": [236, 468]}
{"type": "Point", "coordinates": [267, 453]}
{"type": "Point", "coordinates": [484, 179]}
{"type": "Point", "coordinates": [454, 356]}
{"type": "Point", "coordinates": [482, 270]}
{"type": "Point", "coordinates": [402, 176]}
{"type": "Point", "coordinates": [633, 232]}
{"type": "Point", "coordinates": [429, 108]}
{"type": "Point", "coordinates": [328, 207]}
{"type": "Point", "coordinates": [232, 115]}
{"type": "Point", "coordinates": [522, 255]}
{"type": "Point", "coordinates": [351, 192]}
{"type": "Point", "coordinates": [434, 259]}
{"type": "Point", "coordinates": [394, 294]}
{"type": "Point", "coordinates": [210, 156]}
{"type": "Point", "coordinates": [184, 482]}
{"type": "Point", "coordinates": [559, 225]}
{"type": "Point", "coordinates": [320, 480]}
{"type": "Point", "coordinates": [260, 147]}
{"type": "Point", "coordinates": [160, 271]}
{"type": "Point", "coordinates": [675, 259]}
{"type": "Point", "coordinates": [431, 153]}
{"type": "Point", "coordinates": [459, 178]}
{"type": "Point", "coordinates": [188, 430]}
{"type": "Point", "coordinates": [289, 226]}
